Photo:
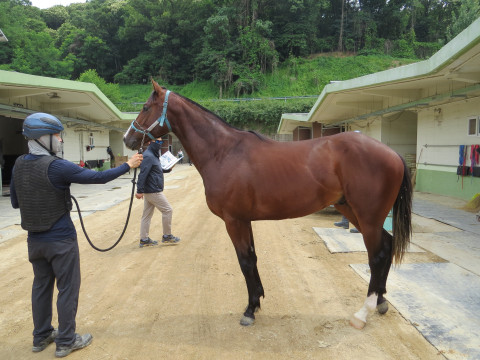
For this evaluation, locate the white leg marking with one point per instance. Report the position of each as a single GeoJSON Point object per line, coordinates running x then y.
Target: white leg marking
{"type": "Point", "coordinates": [368, 306]}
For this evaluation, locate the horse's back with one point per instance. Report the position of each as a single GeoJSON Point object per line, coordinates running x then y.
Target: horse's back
{"type": "Point", "coordinates": [267, 179]}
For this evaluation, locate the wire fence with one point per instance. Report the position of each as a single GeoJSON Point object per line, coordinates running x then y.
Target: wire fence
{"type": "Point", "coordinates": [284, 98]}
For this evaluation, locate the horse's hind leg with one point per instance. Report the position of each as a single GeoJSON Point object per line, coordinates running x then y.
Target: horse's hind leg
{"type": "Point", "coordinates": [242, 237]}
{"type": "Point", "coordinates": [387, 240]}
{"type": "Point", "coordinates": [379, 260]}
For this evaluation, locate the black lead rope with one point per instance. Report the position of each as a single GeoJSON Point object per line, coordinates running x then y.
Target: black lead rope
{"type": "Point", "coordinates": [140, 151]}
{"type": "Point", "coordinates": [126, 222]}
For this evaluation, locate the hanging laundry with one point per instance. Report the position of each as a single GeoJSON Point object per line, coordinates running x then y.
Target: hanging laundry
{"type": "Point", "coordinates": [475, 154]}
{"type": "Point", "coordinates": [474, 160]}
{"type": "Point", "coordinates": [462, 169]}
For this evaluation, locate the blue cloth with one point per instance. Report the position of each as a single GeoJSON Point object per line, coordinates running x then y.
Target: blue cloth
{"type": "Point", "coordinates": [150, 179]}
{"type": "Point", "coordinates": [62, 173]}
{"type": "Point", "coordinates": [461, 153]}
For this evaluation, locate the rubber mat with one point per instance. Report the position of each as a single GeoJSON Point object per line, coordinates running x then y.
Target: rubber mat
{"type": "Point", "coordinates": [441, 300]}
{"type": "Point", "coordinates": [339, 240]}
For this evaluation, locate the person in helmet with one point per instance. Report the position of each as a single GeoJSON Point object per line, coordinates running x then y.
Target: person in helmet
{"type": "Point", "coordinates": [40, 188]}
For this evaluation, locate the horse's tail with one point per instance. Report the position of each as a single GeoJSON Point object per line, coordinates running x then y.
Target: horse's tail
{"type": "Point", "coordinates": [402, 216]}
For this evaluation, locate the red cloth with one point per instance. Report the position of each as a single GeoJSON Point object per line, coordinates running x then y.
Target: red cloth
{"type": "Point", "coordinates": [474, 154]}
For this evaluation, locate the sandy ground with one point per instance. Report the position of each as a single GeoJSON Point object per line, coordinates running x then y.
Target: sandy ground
{"type": "Point", "coordinates": [185, 301]}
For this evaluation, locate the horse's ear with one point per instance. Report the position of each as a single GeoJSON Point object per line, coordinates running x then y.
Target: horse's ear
{"type": "Point", "coordinates": [156, 87]}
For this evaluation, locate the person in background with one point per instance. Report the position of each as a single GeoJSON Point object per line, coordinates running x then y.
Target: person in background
{"type": "Point", "coordinates": [150, 188]}
{"type": "Point", "coordinates": [40, 188]}
{"type": "Point", "coordinates": [112, 156]}
{"type": "Point", "coordinates": [180, 156]}
{"type": "Point", "coordinates": [346, 224]}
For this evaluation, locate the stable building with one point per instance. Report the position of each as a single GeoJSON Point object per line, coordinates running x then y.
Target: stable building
{"type": "Point", "coordinates": [91, 121]}
{"type": "Point", "coordinates": [429, 112]}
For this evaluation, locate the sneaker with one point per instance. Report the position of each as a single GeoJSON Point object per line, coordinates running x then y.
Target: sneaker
{"type": "Point", "coordinates": [170, 239]}
{"type": "Point", "coordinates": [79, 343]}
{"type": "Point", "coordinates": [45, 342]}
{"type": "Point", "coordinates": [354, 230]}
{"type": "Point", "coordinates": [343, 224]}
{"type": "Point", "coordinates": [148, 242]}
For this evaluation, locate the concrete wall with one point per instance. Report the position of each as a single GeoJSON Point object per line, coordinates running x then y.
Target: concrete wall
{"type": "Point", "coordinates": [400, 132]}
{"type": "Point", "coordinates": [76, 142]}
{"type": "Point", "coordinates": [371, 127]}
{"type": "Point", "coordinates": [441, 130]}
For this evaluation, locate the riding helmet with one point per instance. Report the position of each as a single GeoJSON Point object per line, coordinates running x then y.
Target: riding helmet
{"type": "Point", "coordinates": [39, 124]}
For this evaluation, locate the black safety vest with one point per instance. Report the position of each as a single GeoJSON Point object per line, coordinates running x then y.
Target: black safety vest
{"type": "Point", "coordinates": [41, 203]}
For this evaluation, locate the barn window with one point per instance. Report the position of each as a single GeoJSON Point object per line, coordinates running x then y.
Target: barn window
{"type": "Point", "coordinates": [92, 142]}
{"type": "Point", "coordinates": [473, 126]}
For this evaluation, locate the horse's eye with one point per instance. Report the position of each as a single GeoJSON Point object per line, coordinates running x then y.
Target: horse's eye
{"type": "Point", "coordinates": [145, 108]}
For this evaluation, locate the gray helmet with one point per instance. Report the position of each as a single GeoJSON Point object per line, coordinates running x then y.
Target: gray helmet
{"type": "Point", "coordinates": [39, 124]}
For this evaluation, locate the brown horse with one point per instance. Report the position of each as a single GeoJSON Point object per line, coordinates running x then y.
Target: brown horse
{"type": "Point", "coordinates": [249, 177]}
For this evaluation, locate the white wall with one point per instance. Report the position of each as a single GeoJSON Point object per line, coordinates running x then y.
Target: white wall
{"type": "Point", "coordinates": [71, 145]}
{"type": "Point", "coordinates": [443, 129]}
{"type": "Point", "coordinates": [371, 127]}
{"type": "Point", "coordinates": [118, 147]}
{"type": "Point", "coordinates": [399, 132]}
{"type": "Point", "coordinates": [76, 141]}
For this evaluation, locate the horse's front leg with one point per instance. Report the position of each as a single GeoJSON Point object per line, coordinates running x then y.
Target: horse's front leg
{"type": "Point", "coordinates": [242, 238]}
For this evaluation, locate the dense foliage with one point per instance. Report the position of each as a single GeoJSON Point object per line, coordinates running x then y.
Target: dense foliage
{"type": "Point", "coordinates": [301, 79]}
{"type": "Point", "coordinates": [233, 44]}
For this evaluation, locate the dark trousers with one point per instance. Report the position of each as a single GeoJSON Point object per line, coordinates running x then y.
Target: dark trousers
{"type": "Point", "coordinates": [55, 260]}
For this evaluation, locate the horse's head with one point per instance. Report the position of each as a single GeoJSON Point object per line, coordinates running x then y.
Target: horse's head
{"type": "Point", "coordinates": [152, 121]}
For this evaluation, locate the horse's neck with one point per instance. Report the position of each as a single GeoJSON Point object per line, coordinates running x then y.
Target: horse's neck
{"type": "Point", "coordinates": [204, 137]}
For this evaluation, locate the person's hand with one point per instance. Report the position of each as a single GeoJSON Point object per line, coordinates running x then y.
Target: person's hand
{"type": "Point", "coordinates": [135, 161]}
{"type": "Point", "coordinates": [139, 196]}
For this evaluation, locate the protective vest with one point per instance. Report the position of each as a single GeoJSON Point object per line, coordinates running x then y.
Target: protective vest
{"type": "Point", "coordinates": [41, 203]}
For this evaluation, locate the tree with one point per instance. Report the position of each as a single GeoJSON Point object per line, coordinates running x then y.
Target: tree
{"type": "Point", "coordinates": [55, 16]}
{"type": "Point", "coordinates": [340, 36]}
{"type": "Point", "coordinates": [467, 13]}
{"type": "Point", "coordinates": [170, 30]}
{"type": "Point", "coordinates": [216, 60]}
{"type": "Point", "coordinates": [38, 56]}
{"type": "Point", "coordinates": [112, 91]}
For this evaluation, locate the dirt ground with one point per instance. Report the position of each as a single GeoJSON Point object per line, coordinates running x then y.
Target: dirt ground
{"type": "Point", "coordinates": [185, 301]}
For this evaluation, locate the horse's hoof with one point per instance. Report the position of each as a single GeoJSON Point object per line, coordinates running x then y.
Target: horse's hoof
{"type": "Point", "coordinates": [382, 308]}
{"type": "Point", "coordinates": [357, 323]}
{"type": "Point", "coordinates": [247, 321]}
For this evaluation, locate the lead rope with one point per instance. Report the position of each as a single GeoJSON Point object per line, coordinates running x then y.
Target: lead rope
{"type": "Point", "coordinates": [128, 215]}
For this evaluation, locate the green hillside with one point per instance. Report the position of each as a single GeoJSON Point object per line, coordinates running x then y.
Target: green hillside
{"type": "Point", "coordinates": [296, 77]}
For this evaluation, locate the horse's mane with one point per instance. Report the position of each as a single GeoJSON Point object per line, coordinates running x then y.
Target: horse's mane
{"type": "Point", "coordinates": [260, 136]}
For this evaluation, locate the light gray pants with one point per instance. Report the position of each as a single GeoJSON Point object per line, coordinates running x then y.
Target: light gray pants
{"type": "Point", "coordinates": [150, 202]}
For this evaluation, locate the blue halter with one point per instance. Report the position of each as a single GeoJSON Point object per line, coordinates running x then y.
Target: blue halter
{"type": "Point", "coordinates": [162, 119]}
